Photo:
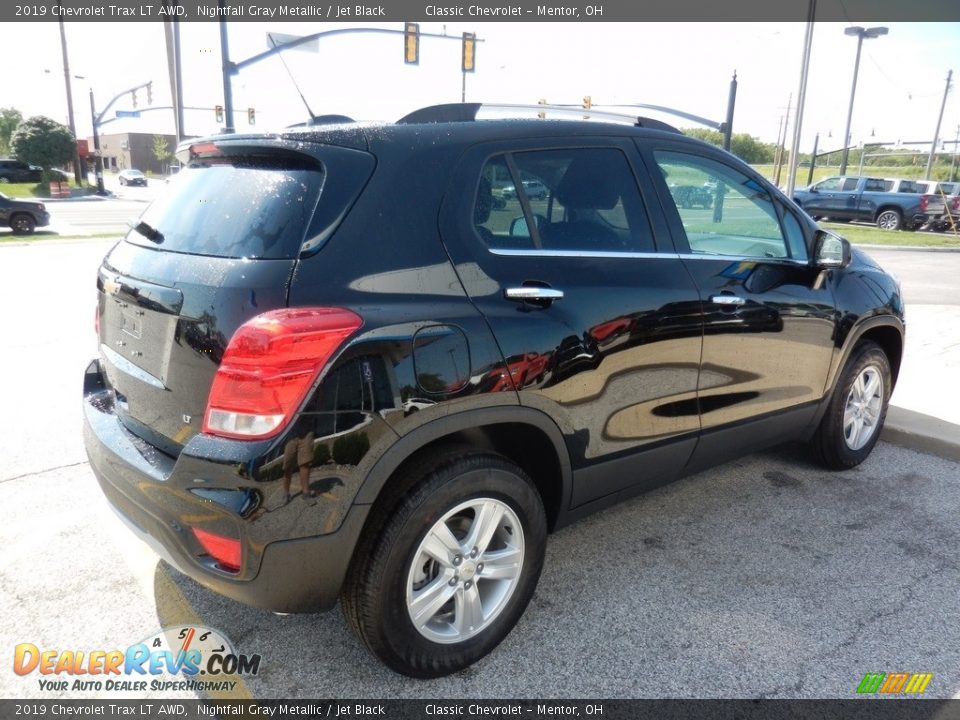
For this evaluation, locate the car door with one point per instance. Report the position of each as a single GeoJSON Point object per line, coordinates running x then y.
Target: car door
{"type": "Point", "coordinates": [598, 319]}
{"type": "Point", "coordinates": [768, 320]}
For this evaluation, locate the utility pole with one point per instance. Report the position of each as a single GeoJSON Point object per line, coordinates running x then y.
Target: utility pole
{"type": "Point", "coordinates": [936, 133]}
{"type": "Point", "coordinates": [776, 153]}
{"type": "Point", "coordinates": [783, 141]}
{"type": "Point", "coordinates": [227, 72]}
{"type": "Point", "coordinates": [73, 127]}
{"type": "Point", "coordinates": [953, 161]}
{"type": "Point", "coordinates": [801, 100]}
{"type": "Point", "coordinates": [813, 159]}
{"type": "Point", "coordinates": [861, 34]}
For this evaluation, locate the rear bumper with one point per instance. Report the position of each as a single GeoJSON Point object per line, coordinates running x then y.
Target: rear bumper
{"type": "Point", "coordinates": [149, 492]}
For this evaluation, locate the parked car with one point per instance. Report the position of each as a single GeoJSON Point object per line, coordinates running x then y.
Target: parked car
{"type": "Point", "coordinates": [22, 216]}
{"type": "Point", "coordinates": [559, 363]}
{"type": "Point", "coordinates": [534, 189]}
{"type": "Point", "coordinates": [15, 171]}
{"type": "Point", "coordinates": [892, 205]}
{"type": "Point", "coordinates": [132, 177]}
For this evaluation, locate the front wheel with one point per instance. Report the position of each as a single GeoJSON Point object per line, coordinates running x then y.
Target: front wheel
{"type": "Point", "coordinates": [853, 420]}
{"type": "Point", "coordinates": [453, 566]}
{"type": "Point", "coordinates": [22, 224]}
{"type": "Point", "coordinates": [890, 220]}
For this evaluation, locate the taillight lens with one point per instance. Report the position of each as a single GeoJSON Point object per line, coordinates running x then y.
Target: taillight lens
{"type": "Point", "coordinates": [924, 201]}
{"type": "Point", "coordinates": [96, 319]}
{"type": "Point", "coordinates": [955, 205]}
{"type": "Point", "coordinates": [269, 366]}
{"type": "Point", "coordinates": [226, 551]}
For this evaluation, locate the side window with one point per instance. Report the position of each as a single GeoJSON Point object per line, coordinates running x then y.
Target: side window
{"type": "Point", "coordinates": [828, 185]}
{"type": "Point", "coordinates": [874, 185]}
{"type": "Point", "coordinates": [849, 184]}
{"type": "Point", "coordinates": [580, 200]}
{"type": "Point", "coordinates": [742, 219]}
{"type": "Point", "coordinates": [795, 239]}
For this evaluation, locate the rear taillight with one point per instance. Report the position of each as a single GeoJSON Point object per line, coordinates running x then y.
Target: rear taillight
{"type": "Point", "coordinates": [226, 551]}
{"type": "Point", "coordinates": [955, 205]}
{"type": "Point", "coordinates": [96, 319]}
{"type": "Point", "coordinates": [269, 366]}
{"type": "Point", "coordinates": [924, 201]}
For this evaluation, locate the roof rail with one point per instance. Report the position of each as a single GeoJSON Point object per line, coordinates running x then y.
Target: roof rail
{"type": "Point", "coordinates": [467, 112]}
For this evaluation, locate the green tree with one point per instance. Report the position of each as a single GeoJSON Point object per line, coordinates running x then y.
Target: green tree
{"type": "Point", "coordinates": [746, 147]}
{"type": "Point", "coordinates": [44, 142]}
{"type": "Point", "coordinates": [9, 119]}
{"type": "Point", "coordinates": [162, 150]}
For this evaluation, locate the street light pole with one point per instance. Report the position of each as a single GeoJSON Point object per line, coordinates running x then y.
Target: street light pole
{"type": "Point", "coordinates": [98, 161]}
{"type": "Point", "coordinates": [861, 33]}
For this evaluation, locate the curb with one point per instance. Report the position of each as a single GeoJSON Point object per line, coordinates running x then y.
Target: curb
{"type": "Point", "coordinates": [923, 433]}
{"type": "Point", "coordinates": [918, 248]}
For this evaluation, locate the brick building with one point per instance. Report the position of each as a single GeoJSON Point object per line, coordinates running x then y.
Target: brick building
{"type": "Point", "coordinates": [132, 150]}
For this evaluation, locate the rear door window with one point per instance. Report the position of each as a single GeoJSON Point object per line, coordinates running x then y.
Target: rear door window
{"type": "Point", "coordinates": [579, 200]}
{"type": "Point", "coordinates": [237, 207]}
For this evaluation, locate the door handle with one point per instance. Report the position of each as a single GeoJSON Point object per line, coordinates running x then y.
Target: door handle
{"type": "Point", "coordinates": [727, 300]}
{"type": "Point", "coordinates": [532, 292]}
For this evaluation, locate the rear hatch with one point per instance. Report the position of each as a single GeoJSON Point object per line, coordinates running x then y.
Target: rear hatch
{"type": "Point", "coordinates": [219, 247]}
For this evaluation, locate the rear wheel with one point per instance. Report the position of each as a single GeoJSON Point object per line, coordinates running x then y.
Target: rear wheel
{"type": "Point", "coordinates": [22, 224]}
{"type": "Point", "coordinates": [853, 420]}
{"type": "Point", "coordinates": [453, 566]}
{"type": "Point", "coordinates": [890, 220]}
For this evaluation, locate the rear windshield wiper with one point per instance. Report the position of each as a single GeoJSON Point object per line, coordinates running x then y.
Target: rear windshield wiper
{"type": "Point", "coordinates": [148, 231]}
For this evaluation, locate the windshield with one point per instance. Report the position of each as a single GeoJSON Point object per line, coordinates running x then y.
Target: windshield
{"type": "Point", "coordinates": [240, 208]}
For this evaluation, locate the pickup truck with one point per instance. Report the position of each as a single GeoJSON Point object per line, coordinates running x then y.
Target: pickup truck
{"type": "Point", "coordinates": [870, 199]}
{"type": "Point", "coordinates": [949, 194]}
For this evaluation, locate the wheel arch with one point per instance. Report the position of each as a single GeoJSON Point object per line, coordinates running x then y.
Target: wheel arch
{"type": "Point", "coordinates": [524, 436]}
{"type": "Point", "coordinates": [887, 331]}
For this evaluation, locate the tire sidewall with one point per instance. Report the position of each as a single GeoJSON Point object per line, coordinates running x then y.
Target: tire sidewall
{"type": "Point", "coordinates": [396, 627]}
{"type": "Point", "coordinates": [868, 354]}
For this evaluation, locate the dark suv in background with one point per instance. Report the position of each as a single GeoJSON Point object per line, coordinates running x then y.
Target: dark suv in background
{"type": "Point", "coordinates": [333, 364]}
{"type": "Point", "coordinates": [15, 171]}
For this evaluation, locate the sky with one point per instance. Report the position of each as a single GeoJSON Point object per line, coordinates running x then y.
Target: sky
{"type": "Point", "coordinates": [687, 66]}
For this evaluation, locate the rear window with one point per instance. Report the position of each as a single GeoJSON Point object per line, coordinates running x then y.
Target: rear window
{"type": "Point", "coordinates": [250, 208]}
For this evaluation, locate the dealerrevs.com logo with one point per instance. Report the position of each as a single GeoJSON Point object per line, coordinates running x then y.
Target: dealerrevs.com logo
{"type": "Point", "coordinates": [191, 658]}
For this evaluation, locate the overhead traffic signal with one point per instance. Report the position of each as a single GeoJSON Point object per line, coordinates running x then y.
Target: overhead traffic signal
{"type": "Point", "coordinates": [133, 95]}
{"type": "Point", "coordinates": [411, 43]}
{"type": "Point", "coordinates": [468, 61]}
{"type": "Point", "coordinates": [149, 93]}
{"type": "Point", "coordinates": [251, 116]}
{"type": "Point", "coordinates": [587, 102]}
{"type": "Point", "coordinates": [218, 112]}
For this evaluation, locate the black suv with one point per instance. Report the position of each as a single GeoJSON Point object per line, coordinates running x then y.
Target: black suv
{"type": "Point", "coordinates": [333, 366]}
{"type": "Point", "coordinates": [15, 171]}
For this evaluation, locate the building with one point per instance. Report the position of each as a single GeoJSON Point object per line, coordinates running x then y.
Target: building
{"type": "Point", "coordinates": [133, 150]}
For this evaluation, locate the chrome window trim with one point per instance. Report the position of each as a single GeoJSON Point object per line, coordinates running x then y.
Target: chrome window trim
{"type": "Point", "coordinates": [511, 252]}
{"type": "Point", "coordinates": [580, 253]}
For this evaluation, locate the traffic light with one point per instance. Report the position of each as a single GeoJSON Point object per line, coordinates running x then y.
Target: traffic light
{"type": "Point", "coordinates": [468, 61]}
{"type": "Point", "coordinates": [251, 116]}
{"type": "Point", "coordinates": [542, 115]}
{"type": "Point", "coordinates": [218, 112]}
{"type": "Point", "coordinates": [149, 93]}
{"type": "Point", "coordinates": [587, 102]}
{"type": "Point", "coordinates": [134, 96]}
{"type": "Point", "coordinates": [411, 43]}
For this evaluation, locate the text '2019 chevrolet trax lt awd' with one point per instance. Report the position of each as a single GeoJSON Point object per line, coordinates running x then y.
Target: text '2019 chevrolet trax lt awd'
{"type": "Point", "coordinates": [339, 362]}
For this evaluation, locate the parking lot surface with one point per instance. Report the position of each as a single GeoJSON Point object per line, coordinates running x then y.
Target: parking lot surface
{"type": "Point", "coordinates": [766, 577]}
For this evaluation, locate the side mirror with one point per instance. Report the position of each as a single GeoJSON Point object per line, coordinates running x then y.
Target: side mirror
{"type": "Point", "coordinates": [831, 250]}
{"type": "Point", "coordinates": [813, 189]}
{"type": "Point", "coordinates": [519, 227]}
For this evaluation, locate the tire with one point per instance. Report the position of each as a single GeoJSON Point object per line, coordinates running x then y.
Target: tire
{"type": "Point", "coordinates": [22, 224]}
{"type": "Point", "coordinates": [890, 219]}
{"type": "Point", "coordinates": [852, 423]}
{"type": "Point", "coordinates": [122, 182]}
{"type": "Point", "coordinates": [397, 572]}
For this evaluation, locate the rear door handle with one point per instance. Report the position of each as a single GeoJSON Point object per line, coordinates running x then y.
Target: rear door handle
{"type": "Point", "coordinates": [728, 300]}
{"type": "Point", "coordinates": [532, 292]}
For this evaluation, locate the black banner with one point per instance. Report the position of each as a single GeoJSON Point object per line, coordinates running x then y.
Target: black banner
{"type": "Point", "coordinates": [478, 11]}
{"type": "Point", "coordinates": [863, 709]}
